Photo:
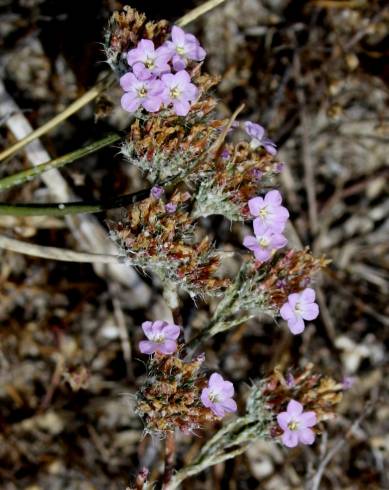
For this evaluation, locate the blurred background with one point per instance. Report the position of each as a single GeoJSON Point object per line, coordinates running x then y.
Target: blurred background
{"type": "Point", "coordinates": [315, 73]}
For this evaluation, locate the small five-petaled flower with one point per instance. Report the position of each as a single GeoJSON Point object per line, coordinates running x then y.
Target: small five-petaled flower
{"type": "Point", "coordinates": [268, 211]}
{"type": "Point", "coordinates": [218, 396]}
{"type": "Point", "coordinates": [299, 307]}
{"type": "Point", "coordinates": [296, 425]}
{"type": "Point", "coordinates": [258, 138]}
{"type": "Point", "coordinates": [162, 337]}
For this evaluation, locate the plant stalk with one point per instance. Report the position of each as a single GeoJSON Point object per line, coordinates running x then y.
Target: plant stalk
{"type": "Point", "coordinates": [29, 174]}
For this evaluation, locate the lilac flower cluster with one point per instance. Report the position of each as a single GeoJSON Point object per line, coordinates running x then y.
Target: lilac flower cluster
{"type": "Point", "coordinates": [162, 338]}
{"type": "Point", "coordinates": [151, 84]}
{"type": "Point", "coordinates": [269, 223]}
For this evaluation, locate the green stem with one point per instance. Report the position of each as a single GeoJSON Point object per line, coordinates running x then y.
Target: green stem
{"type": "Point", "coordinates": [29, 174]}
{"type": "Point", "coordinates": [64, 209]}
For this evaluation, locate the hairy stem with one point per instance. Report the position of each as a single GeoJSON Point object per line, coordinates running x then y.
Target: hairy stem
{"type": "Point", "coordinates": [170, 453]}
{"type": "Point", "coordinates": [29, 174]}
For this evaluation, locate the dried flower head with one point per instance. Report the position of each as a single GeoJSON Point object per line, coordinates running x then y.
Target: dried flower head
{"type": "Point", "coordinates": [164, 243]}
{"type": "Point", "coordinates": [125, 29]}
{"type": "Point", "coordinates": [315, 392]}
{"type": "Point", "coordinates": [170, 398]}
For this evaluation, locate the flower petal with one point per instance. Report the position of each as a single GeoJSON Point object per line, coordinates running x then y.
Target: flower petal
{"type": "Point", "coordinates": [308, 295]}
{"type": "Point", "coordinates": [250, 242]}
{"type": "Point", "coordinates": [216, 381]}
{"type": "Point", "coordinates": [171, 331]}
{"type": "Point", "coordinates": [306, 436]}
{"type": "Point", "coordinates": [130, 103]}
{"type": "Point", "coordinates": [167, 347]}
{"type": "Point", "coordinates": [204, 397]}
{"type": "Point", "coordinates": [273, 197]}
{"type": "Point", "coordinates": [286, 312]}
{"type": "Point", "coordinates": [229, 405]}
{"type": "Point", "coordinates": [181, 107]}
{"type": "Point", "coordinates": [127, 81]}
{"type": "Point", "coordinates": [147, 328]}
{"type": "Point", "coordinates": [290, 438]}
{"type": "Point", "coordinates": [310, 311]}
{"type": "Point", "coordinates": [283, 420]}
{"type": "Point", "coordinates": [307, 419]}
{"type": "Point", "coordinates": [255, 205]}
{"type": "Point", "coordinates": [294, 408]}
{"type": "Point", "coordinates": [296, 325]}
{"type": "Point", "coordinates": [147, 347]}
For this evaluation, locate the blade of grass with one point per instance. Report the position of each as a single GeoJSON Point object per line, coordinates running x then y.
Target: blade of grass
{"type": "Point", "coordinates": [29, 174]}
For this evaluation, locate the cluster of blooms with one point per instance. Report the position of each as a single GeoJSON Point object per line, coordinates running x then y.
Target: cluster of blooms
{"type": "Point", "coordinates": [217, 396]}
{"type": "Point", "coordinates": [158, 233]}
{"type": "Point", "coordinates": [151, 83]}
{"type": "Point", "coordinates": [308, 397]}
{"type": "Point", "coordinates": [159, 236]}
{"type": "Point", "coordinates": [176, 393]}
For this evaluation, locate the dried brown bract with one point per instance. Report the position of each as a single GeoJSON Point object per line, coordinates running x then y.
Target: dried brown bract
{"type": "Point", "coordinates": [164, 243]}
{"type": "Point", "coordinates": [125, 29]}
{"type": "Point", "coordinates": [170, 398]}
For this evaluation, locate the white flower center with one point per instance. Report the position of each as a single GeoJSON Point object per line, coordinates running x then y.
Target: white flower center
{"type": "Point", "coordinates": [263, 212]}
{"type": "Point", "coordinates": [297, 308]}
{"type": "Point", "coordinates": [263, 242]}
{"type": "Point", "coordinates": [180, 50]}
{"type": "Point", "coordinates": [142, 91]}
{"type": "Point", "coordinates": [159, 338]}
{"type": "Point", "coordinates": [214, 397]}
{"type": "Point", "coordinates": [150, 63]}
{"type": "Point", "coordinates": [293, 425]}
{"type": "Point", "coordinates": [175, 92]}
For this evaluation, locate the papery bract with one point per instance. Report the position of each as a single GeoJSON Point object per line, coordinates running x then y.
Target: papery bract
{"type": "Point", "coordinates": [299, 307]}
{"type": "Point", "coordinates": [218, 396]}
{"type": "Point", "coordinates": [296, 425]}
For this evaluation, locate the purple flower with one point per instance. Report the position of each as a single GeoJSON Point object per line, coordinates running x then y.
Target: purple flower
{"type": "Point", "coordinates": [218, 396]}
{"type": "Point", "coordinates": [179, 91]}
{"type": "Point", "coordinates": [348, 382]}
{"type": "Point", "coordinates": [171, 207]}
{"type": "Point", "coordinates": [257, 174]}
{"type": "Point", "coordinates": [162, 337]}
{"type": "Point", "coordinates": [147, 61]}
{"type": "Point", "coordinates": [182, 48]}
{"type": "Point", "coordinates": [269, 212]}
{"type": "Point", "coordinates": [265, 242]}
{"type": "Point", "coordinates": [299, 307]}
{"type": "Point", "coordinates": [146, 93]}
{"type": "Point", "coordinates": [257, 134]}
{"type": "Point", "coordinates": [296, 425]}
{"type": "Point", "coordinates": [225, 154]}
{"type": "Point", "coordinates": [157, 192]}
